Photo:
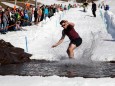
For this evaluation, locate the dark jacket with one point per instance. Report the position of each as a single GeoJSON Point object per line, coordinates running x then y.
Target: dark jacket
{"type": "Point", "coordinates": [35, 13]}
{"type": "Point", "coordinates": [94, 7]}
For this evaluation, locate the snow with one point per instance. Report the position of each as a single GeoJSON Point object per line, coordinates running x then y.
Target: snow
{"type": "Point", "coordinates": [49, 2]}
{"type": "Point", "coordinates": [98, 45]}
{"type": "Point", "coordinates": [10, 4]}
{"type": "Point", "coordinates": [54, 81]}
{"type": "Point", "coordinates": [110, 20]}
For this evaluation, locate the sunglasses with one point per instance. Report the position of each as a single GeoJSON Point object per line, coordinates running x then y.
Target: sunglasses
{"type": "Point", "coordinates": [63, 25]}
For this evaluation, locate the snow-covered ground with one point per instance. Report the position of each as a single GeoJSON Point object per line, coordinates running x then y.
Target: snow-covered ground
{"type": "Point", "coordinates": [49, 2]}
{"type": "Point", "coordinates": [98, 45]}
{"type": "Point", "coordinates": [54, 81]}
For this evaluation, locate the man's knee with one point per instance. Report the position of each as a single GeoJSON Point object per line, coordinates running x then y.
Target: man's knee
{"type": "Point", "coordinates": [70, 49]}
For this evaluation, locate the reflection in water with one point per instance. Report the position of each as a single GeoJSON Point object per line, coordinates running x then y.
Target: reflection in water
{"type": "Point", "coordinates": [47, 68]}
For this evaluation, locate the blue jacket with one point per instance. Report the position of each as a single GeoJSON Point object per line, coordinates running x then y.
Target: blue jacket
{"type": "Point", "coordinates": [46, 11]}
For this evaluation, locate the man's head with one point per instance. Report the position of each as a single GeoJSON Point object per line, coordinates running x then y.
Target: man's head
{"type": "Point", "coordinates": [64, 23]}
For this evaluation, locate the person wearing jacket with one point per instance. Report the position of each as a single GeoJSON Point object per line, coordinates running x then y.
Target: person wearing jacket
{"type": "Point", "coordinates": [5, 21]}
{"type": "Point", "coordinates": [94, 8]}
{"type": "Point", "coordinates": [46, 12]}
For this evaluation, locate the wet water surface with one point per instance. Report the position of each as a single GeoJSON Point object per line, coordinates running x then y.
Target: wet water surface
{"type": "Point", "coordinates": [47, 68]}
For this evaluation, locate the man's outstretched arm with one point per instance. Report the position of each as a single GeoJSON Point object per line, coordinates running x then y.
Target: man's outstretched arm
{"type": "Point", "coordinates": [60, 41]}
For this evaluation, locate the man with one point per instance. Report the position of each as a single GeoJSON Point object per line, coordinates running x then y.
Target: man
{"type": "Point", "coordinates": [75, 39]}
{"type": "Point", "coordinates": [85, 5]}
{"type": "Point", "coordinates": [94, 9]}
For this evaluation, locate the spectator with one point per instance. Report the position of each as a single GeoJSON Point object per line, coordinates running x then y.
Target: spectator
{"type": "Point", "coordinates": [106, 7]}
{"type": "Point", "coordinates": [94, 8]}
{"type": "Point", "coordinates": [26, 17]}
{"type": "Point", "coordinates": [22, 17]}
{"type": "Point", "coordinates": [46, 12]}
{"type": "Point", "coordinates": [50, 12]}
{"type": "Point", "coordinates": [39, 14]}
{"type": "Point", "coordinates": [85, 4]}
{"type": "Point", "coordinates": [1, 18]}
{"type": "Point", "coordinates": [0, 22]}
{"type": "Point", "coordinates": [30, 15]}
{"type": "Point", "coordinates": [35, 15]}
{"type": "Point", "coordinates": [18, 27]}
{"type": "Point", "coordinates": [5, 21]}
{"type": "Point", "coordinates": [65, 7]}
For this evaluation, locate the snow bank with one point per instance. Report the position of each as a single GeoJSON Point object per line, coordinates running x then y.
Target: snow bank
{"type": "Point", "coordinates": [54, 81]}
{"type": "Point", "coordinates": [110, 21]}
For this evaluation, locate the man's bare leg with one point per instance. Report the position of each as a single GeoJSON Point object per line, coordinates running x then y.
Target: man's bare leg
{"type": "Point", "coordinates": [70, 50]}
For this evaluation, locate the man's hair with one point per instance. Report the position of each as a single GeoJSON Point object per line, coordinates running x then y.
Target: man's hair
{"type": "Point", "coordinates": [63, 21]}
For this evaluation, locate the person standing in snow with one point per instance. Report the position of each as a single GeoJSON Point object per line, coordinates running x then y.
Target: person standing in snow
{"type": "Point", "coordinates": [75, 39]}
{"type": "Point", "coordinates": [35, 15]}
{"type": "Point", "coordinates": [94, 7]}
{"type": "Point", "coordinates": [46, 12]}
{"type": "Point", "coordinates": [106, 7]}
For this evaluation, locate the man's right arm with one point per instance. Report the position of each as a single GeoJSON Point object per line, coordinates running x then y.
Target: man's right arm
{"type": "Point", "coordinates": [60, 41]}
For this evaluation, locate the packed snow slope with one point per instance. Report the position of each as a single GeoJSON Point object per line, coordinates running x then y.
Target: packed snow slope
{"type": "Point", "coordinates": [97, 43]}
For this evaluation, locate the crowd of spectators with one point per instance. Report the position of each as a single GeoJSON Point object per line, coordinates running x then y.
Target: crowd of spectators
{"type": "Point", "coordinates": [14, 19]}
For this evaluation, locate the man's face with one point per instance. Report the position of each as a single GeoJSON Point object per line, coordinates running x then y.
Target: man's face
{"type": "Point", "coordinates": [64, 25]}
